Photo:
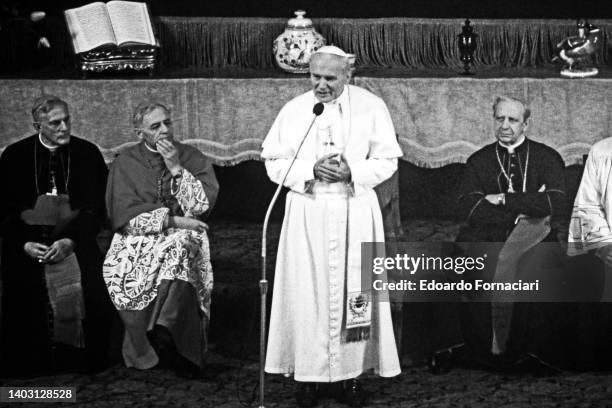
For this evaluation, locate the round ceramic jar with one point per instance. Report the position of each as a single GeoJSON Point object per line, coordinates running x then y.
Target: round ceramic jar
{"type": "Point", "coordinates": [293, 48]}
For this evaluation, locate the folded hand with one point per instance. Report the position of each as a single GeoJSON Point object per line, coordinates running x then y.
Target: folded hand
{"type": "Point", "coordinates": [59, 250]}
{"type": "Point", "coordinates": [332, 168]}
{"type": "Point", "coordinates": [35, 250]}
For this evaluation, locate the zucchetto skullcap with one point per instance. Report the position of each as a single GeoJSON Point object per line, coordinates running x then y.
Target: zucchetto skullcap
{"type": "Point", "coordinates": [333, 50]}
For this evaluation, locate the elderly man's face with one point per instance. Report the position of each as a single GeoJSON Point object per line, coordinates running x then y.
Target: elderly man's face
{"type": "Point", "coordinates": [328, 75]}
{"type": "Point", "coordinates": [509, 122]}
{"type": "Point", "coordinates": [54, 126]}
{"type": "Point", "coordinates": [156, 125]}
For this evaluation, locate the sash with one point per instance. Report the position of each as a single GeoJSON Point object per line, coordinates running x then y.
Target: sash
{"type": "Point", "coordinates": [66, 298]}
{"type": "Point", "coordinates": [358, 302]}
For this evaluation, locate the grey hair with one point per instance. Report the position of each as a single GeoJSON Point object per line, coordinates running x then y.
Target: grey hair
{"type": "Point", "coordinates": [144, 109]}
{"type": "Point", "coordinates": [44, 104]}
{"type": "Point", "coordinates": [526, 110]}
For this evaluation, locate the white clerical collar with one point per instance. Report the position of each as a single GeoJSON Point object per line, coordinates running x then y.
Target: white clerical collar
{"type": "Point", "coordinates": [149, 148]}
{"type": "Point", "coordinates": [514, 146]}
{"type": "Point", "coordinates": [48, 147]}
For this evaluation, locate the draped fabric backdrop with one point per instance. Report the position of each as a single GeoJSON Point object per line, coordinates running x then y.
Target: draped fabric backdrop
{"type": "Point", "coordinates": [385, 42]}
{"type": "Point", "coordinates": [439, 121]}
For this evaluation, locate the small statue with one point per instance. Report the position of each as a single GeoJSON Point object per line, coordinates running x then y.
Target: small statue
{"type": "Point", "coordinates": [467, 46]}
{"type": "Point", "coordinates": [575, 51]}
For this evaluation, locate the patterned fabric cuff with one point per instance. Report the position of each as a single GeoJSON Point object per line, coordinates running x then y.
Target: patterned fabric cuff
{"type": "Point", "coordinates": [151, 222]}
{"type": "Point", "coordinates": [191, 195]}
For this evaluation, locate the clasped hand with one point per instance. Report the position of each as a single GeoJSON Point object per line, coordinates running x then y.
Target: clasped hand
{"type": "Point", "coordinates": [332, 168]}
{"type": "Point", "coordinates": [170, 154]}
{"type": "Point", "coordinates": [56, 252]}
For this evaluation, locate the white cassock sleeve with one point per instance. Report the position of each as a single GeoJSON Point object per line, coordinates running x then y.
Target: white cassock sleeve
{"type": "Point", "coordinates": [381, 162]}
{"type": "Point", "coordinates": [589, 226]}
{"type": "Point", "coordinates": [278, 151]}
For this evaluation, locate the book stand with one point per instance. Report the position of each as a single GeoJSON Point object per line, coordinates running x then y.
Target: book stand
{"type": "Point", "coordinates": [135, 57]}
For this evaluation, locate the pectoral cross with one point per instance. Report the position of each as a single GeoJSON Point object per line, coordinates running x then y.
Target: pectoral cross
{"type": "Point", "coordinates": [329, 142]}
{"type": "Point", "coordinates": [53, 184]}
{"type": "Point", "coordinates": [52, 166]}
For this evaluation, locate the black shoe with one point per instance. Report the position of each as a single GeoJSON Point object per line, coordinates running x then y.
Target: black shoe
{"type": "Point", "coordinates": [162, 342]}
{"type": "Point", "coordinates": [441, 362]}
{"type": "Point", "coordinates": [352, 393]}
{"type": "Point", "coordinates": [169, 358]}
{"type": "Point", "coordinates": [306, 394]}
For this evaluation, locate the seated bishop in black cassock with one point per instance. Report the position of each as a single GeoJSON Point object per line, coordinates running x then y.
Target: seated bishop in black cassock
{"type": "Point", "coordinates": [513, 194]}
{"type": "Point", "coordinates": [55, 311]}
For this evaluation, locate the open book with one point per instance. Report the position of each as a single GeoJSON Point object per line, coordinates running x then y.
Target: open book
{"type": "Point", "coordinates": [114, 23]}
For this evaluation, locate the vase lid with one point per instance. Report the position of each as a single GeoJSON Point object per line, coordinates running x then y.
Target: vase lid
{"type": "Point", "coordinates": [299, 21]}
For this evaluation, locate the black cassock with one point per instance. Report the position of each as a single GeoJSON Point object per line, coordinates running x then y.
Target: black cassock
{"type": "Point", "coordinates": [535, 172]}
{"type": "Point", "coordinates": [27, 319]}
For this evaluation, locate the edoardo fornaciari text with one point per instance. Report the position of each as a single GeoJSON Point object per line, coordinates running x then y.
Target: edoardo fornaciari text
{"type": "Point", "coordinates": [431, 285]}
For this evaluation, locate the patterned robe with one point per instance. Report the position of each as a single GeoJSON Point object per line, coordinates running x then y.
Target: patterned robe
{"type": "Point", "coordinates": [144, 254]}
{"type": "Point", "coordinates": [144, 257]}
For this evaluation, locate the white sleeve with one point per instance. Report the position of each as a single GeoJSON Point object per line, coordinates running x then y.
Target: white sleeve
{"type": "Point", "coordinates": [589, 227]}
{"type": "Point", "coordinates": [381, 162]}
{"type": "Point", "coordinates": [278, 153]}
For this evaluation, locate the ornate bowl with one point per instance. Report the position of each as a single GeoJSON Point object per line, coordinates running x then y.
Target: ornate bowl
{"type": "Point", "coordinates": [294, 47]}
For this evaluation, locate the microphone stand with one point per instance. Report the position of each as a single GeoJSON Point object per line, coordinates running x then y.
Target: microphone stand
{"type": "Point", "coordinates": [263, 283]}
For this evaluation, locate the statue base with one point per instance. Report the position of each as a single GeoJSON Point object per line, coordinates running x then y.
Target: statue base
{"type": "Point", "coordinates": [579, 73]}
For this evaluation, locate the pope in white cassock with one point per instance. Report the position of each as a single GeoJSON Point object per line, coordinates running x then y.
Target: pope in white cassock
{"type": "Point", "coordinates": [323, 327]}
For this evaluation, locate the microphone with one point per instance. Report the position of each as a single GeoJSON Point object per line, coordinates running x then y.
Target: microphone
{"type": "Point", "coordinates": [317, 110]}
